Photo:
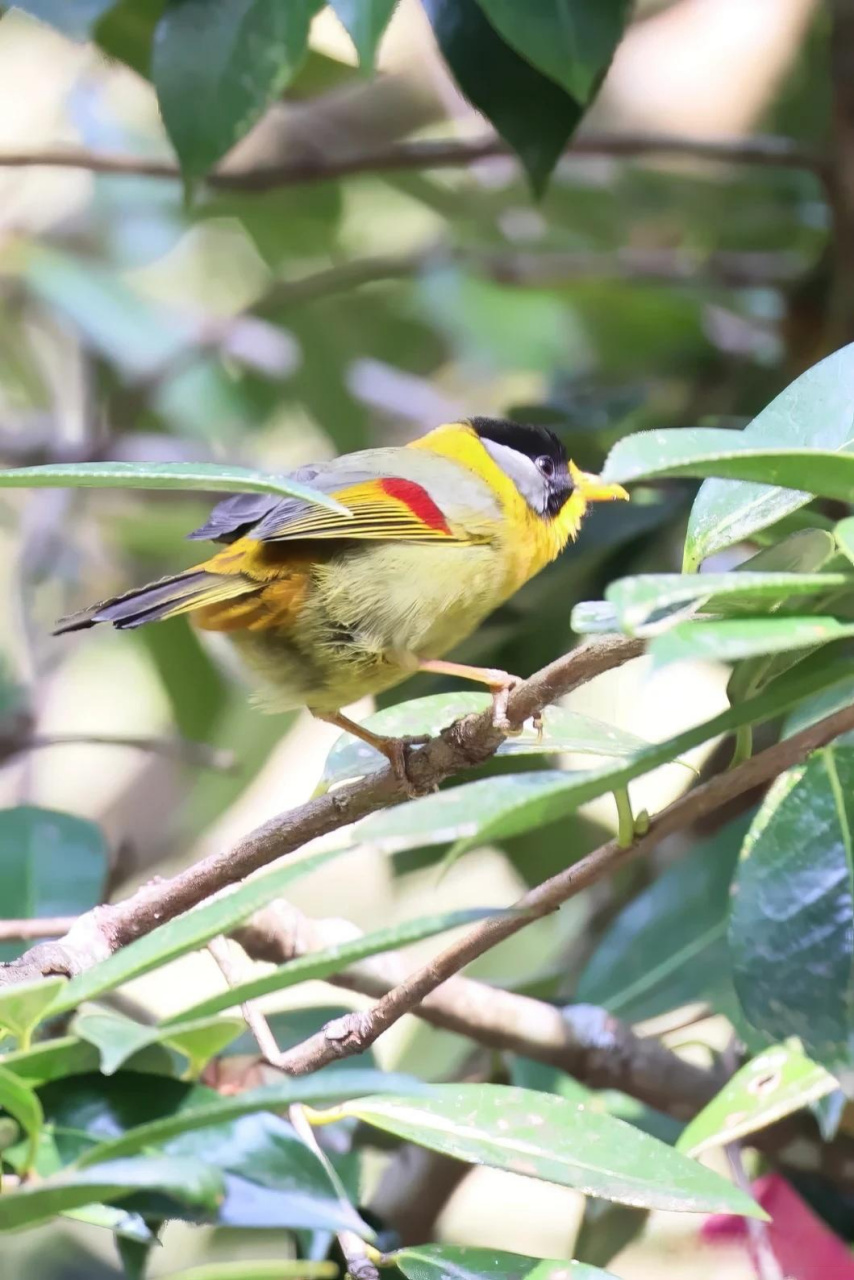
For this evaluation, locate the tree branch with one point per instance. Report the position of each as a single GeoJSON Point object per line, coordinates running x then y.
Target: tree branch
{"type": "Point", "coordinates": [763, 151]}
{"type": "Point", "coordinates": [467, 743]}
{"type": "Point", "coordinates": [356, 1032]}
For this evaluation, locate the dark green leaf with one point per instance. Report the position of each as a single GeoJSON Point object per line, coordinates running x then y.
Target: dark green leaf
{"type": "Point", "coordinates": [208, 476]}
{"type": "Point", "coordinates": [570, 41]}
{"type": "Point", "coordinates": [216, 1109]}
{"type": "Point", "coordinates": [185, 933]}
{"type": "Point", "coordinates": [792, 923]}
{"type": "Point", "coordinates": [218, 65]}
{"type": "Point", "coordinates": [734, 640]}
{"type": "Point", "coordinates": [24, 1004]}
{"type": "Point", "coordinates": [19, 1101]}
{"type": "Point", "coordinates": [189, 1182]}
{"type": "Point", "coordinates": [126, 32]}
{"type": "Point", "coordinates": [668, 947]}
{"type": "Point", "coordinates": [321, 964]}
{"type": "Point", "coordinates": [773, 1085]}
{"type": "Point", "coordinates": [463, 1262]}
{"type": "Point", "coordinates": [815, 412]}
{"type": "Point", "coordinates": [365, 21]}
{"type": "Point", "coordinates": [542, 1136]}
{"type": "Point", "coordinates": [51, 864]}
{"type": "Point", "coordinates": [67, 1056]}
{"type": "Point", "coordinates": [532, 113]}
{"type": "Point", "coordinates": [652, 602]}
{"type": "Point", "coordinates": [563, 731]}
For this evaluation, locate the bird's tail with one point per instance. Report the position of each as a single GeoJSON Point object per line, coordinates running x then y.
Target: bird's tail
{"type": "Point", "coordinates": [165, 598]}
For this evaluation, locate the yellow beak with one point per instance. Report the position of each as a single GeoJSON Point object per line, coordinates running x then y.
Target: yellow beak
{"type": "Point", "coordinates": [592, 488]}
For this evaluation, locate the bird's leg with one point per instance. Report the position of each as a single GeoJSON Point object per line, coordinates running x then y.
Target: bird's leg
{"type": "Point", "coordinates": [395, 750]}
{"type": "Point", "coordinates": [501, 684]}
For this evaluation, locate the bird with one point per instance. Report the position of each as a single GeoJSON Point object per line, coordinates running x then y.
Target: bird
{"type": "Point", "coordinates": [325, 607]}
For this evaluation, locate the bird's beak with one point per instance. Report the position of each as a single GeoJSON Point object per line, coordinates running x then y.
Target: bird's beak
{"type": "Point", "coordinates": [593, 489]}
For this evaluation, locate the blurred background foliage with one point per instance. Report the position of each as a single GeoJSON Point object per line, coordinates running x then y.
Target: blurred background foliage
{"type": "Point", "coordinates": [140, 320]}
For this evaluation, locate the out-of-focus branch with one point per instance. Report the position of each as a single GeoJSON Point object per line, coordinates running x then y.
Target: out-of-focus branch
{"type": "Point", "coordinates": [841, 186]}
{"type": "Point", "coordinates": [467, 743]}
{"type": "Point", "coordinates": [765, 151]}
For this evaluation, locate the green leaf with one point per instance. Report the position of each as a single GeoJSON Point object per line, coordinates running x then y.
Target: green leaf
{"type": "Point", "coordinates": [542, 1136]}
{"type": "Point", "coordinates": [217, 1109]}
{"type": "Point", "coordinates": [815, 412]}
{"type": "Point", "coordinates": [218, 65]}
{"type": "Point", "coordinates": [733, 640]}
{"type": "Point", "coordinates": [22, 1105]}
{"type": "Point", "coordinates": [118, 1038]}
{"type": "Point", "coordinates": [563, 731]}
{"type": "Point", "coordinates": [68, 1056]}
{"type": "Point", "coordinates": [844, 534]}
{"type": "Point", "coordinates": [364, 21]}
{"type": "Point", "coordinates": [189, 1182]}
{"type": "Point", "coordinates": [208, 476]}
{"type": "Point", "coordinates": [24, 1004]}
{"type": "Point", "coordinates": [652, 602]}
{"type": "Point", "coordinates": [321, 964]}
{"type": "Point", "coordinates": [535, 116]}
{"type": "Point", "coordinates": [463, 1262]}
{"type": "Point", "coordinates": [773, 1085]}
{"type": "Point", "coordinates": [186, 932]}
{"type": "Point", "coordinates": [51, 864]}
{"type": "Point", "coordinates": [714, 451]}
{"type": "Point", "coordinates": [272, 1178]}
{"type": "Point", "coordinates": [262, 1269]}
{"type": "Point", "coordinates": [496, 808]}
{"type": "Point", "coordinates": [668, 947]}
{"type": "Point", "coordinates": [792, 923]}
{"type": "Point", "coordinates": [570, 41]}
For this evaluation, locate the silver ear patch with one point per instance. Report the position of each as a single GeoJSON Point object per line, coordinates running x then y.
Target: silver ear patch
{"type": "Point", "coordinates": [524, 473]}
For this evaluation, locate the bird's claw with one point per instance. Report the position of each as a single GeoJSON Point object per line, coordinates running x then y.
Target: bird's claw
{"type": "Point", "coordinates": [396, 751]}
{"type": "Point", "coordinates": [501, 689]}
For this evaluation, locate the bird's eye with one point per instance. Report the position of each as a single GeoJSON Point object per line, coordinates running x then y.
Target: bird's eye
{"type": "Point", "coordinates": [546, 466]}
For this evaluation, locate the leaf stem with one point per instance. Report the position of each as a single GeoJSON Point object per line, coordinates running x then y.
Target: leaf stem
{"type": "Point", "coordinates": [625, 818]}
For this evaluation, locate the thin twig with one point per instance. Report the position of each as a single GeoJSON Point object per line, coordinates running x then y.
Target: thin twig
{"type": "Point", "coordinates": [27, 930]}
{"type": "Point", "coordinates": [763, 151]}
{"type": "Point", "coordinates": [252, 1015]}
{"type": "Point", "coordinates": [195, 753]}
{"type": "Point", "coordinates": [469, 742]}
{"type": "Point", "coordinates": [356, 1032]}
{"type": "Point", "coordinates": [763, 1256]}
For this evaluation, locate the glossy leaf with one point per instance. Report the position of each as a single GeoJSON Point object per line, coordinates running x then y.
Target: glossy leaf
{"type": "Point", "coordinates": [19, 1101]}
{"type": "Point", "coordinates": [716, 451]}
{"type": "Point", "coordinates": [51, 864]}
{"type": "Point", "coordinates": [773, 1085]}
{"type": "Point", "coordinates": [189, 1182]}
{"type": "Point", "coordinates": [69, 1056]}
{"type": "Point", "coordinates": [322, 964]}
{"type": "Point", "coordinates": [261, 1269]}
{"type": "Point", "coordinates": [814, 412]}
{"type": "Point", "coordinates": [541, 1136]}
{"type": "Point", "coordinates": [463, 1262]}
{"type": "Point", "coordinates": [563, 731]}
{"type": "Point", "coordinates": [653, 602]}
{"type": "Point", "coordinates": [365, 22]}
{"type": "Point", "coordinates": [118, 1038]}
{"type": "Point", "coordinates": [792, 923]}
{"type": "Point", "coordinates": [218, 1109]}
{"type": "Point", "coordinates": [734, 640]}
{"type": "Point", "coordinates": [207, 476]}
{"type": "Point", "coordinates": [24, 1004]}
{"type": "Point", "coordinates": [185, 933]}
{"type": "Point", "coordinates": [495, 808]}
{"type": "Point", "coordinates": [570, 41]}
{"type": "Point", "coordinates": [535, 116]}
{"type": "Point", "coordinates": [668, 947]}
{"type": "Point", "coordinates": [218, 65]}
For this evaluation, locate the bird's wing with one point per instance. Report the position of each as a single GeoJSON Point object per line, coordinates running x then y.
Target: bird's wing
{"type": "Point", "coordinates": [390, 494]}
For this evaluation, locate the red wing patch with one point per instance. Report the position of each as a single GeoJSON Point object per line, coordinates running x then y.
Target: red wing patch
{"type": "Point", "coordinates": [417, 500]}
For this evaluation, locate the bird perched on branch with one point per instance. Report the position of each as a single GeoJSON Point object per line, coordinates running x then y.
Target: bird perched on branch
{"type": "Point", "coordinates": [325, 607]}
